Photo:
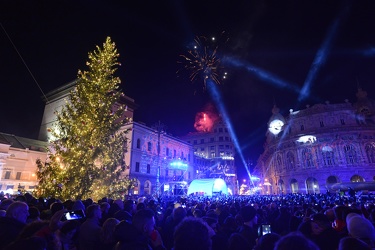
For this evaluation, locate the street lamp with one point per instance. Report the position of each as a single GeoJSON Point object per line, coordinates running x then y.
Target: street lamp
{"type": "Point", "coordinates": [160, 129]}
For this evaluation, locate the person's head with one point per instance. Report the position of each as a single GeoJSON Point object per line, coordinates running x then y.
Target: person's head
{"type": "Point", "coordinates": [144, 221]}
{"type": "Point", "coordinates": [350, 243]}
{"type": "Point", "coordinates": [248, 214]}
{"type": "Point", "coordinates": [267, 241]}
{"type": "Point", "coordinates": [179, 214]}
{"type": "Point", "coordinates": [305, 228]}
{"type": "Point", "coordinates": [104, 206]}
{"type": "Point", "coordinates": [140, 206]}
{"type": "Point", "coordinates": [119, 203]}
{"type": "Point", "coordinates": [108, 229]}
{"type": "Point", "coordinates": [192, 233]}
{"type": "Point", "coordinates": [34, 214]}
{"type": "Point", "coordinates": [56, 206]}
{"type": "Point", "coordinates": [18, 210]}
{"type": "Point", "coordinates": [237, 242]}
{"type": "Point", "coordinates": [93, 211]}
{"type": "Point", "coordinates": [5, 204]}
{"type": "Point", "coordinates": [69, 229]}
{"type": "Point", "coordinates": [320, 223]}
{"type": "Point", "coordinates": [359, 227]}
{"type": "Point", "coordinates": [295, 241]}
{"type": "Point", "coordinates": [129, 206]}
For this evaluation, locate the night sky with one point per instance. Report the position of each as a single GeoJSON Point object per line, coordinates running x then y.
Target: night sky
{"type": "Point", "coordinates": [274, 48]}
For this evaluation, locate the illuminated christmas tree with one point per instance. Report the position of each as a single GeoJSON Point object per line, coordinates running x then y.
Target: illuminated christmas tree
{"type": "Point", "coordinates": [89, 140]}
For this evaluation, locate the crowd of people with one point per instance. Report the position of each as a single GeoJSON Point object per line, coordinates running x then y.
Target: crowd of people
{"type": "Point", "coordinates": [330, 221]}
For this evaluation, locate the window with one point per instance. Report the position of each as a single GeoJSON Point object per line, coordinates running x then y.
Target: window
{"type": "Point", "coordinates": [174, 153]}
{"type": "Point", "coordinates": [148, 168]}
{"type": "Point", "coordinates": [195, 142]}
{"type": "Point", "coordinates": [342, 121]}
{"type": "Point", "coordinates": [167, 151]}
{"type": "Point", "coordinates": [212, 139]}
{"type": "Point", "coordinates": [7, 175]}
{"type": "Point", "coordinates": [321, 124]}
{"type": "Point", "coordinates": [221, 138]}
{"type": "Point", "coordinates": [212, 148]}
{"type": "Point", "coordinates": [221, 130]}
{"type": "Point", "coordinates": [226, 130]}
{"type": "Point", "coordinates": [138, 143]}
{"type": "Point", "coordinates": [137, 167]}
{"type": "Point", "coordinates": [290, 160]}
{"type": "Point", "coordinates": [18, 176]}
{"type": "Point", "coordinates": [350, 154]}
{"type": "Point", "coordinates": [202, 141]}
{"type": "Point", "coordinates": [302, 127]}
{"type": "Point", "coordinates": [328, 157]}
{"type": "Point", "coordinates": [307, 158]}
{"type": "Point", "coordinates": [202, 149]}
{"type": "Point", "coordinates": [149, 146]}
{"type": "Point", "coordinates": [166, 172]}
{"type": "Point", "coordinates": [226, 138]}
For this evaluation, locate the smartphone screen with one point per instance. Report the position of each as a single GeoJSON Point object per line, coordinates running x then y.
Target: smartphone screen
{"type": "Point", "coordinates": [266, 229]}
{"type": "Point", "coordinates": [73, 215]}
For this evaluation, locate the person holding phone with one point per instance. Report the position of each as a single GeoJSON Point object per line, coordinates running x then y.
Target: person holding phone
{"type": "Point", "coordinates": [249, 229]}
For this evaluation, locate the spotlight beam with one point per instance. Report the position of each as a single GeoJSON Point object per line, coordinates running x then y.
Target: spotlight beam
{"type": "Point", "coordinates": [217, 99]}
{"type": "Point", "coordinates": [321, 55]}
{"type": "Point", "coordinates": [262, 74]}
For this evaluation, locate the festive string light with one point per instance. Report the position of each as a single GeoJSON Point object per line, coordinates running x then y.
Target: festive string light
{"type": "Point", "coordinates": [88, 141]}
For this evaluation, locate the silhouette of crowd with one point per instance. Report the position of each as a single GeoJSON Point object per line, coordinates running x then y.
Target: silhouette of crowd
{"type": "Point", "coordinates": [328, 221]}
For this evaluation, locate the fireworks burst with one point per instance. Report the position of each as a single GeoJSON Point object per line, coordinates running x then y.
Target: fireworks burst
{"type": "Point", "coordinates": [202, 61]}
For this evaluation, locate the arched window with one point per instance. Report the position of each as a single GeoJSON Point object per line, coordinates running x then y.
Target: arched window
{"type": "Point", "coordinates": [357, 178]}
{"type": "Point", "coordinates": [312, 185]}
{"type": "Point", "coordinates": [294, 186]}
{"type": "Point", "coordinates": [350, 154]}
{"type": "Point", "coordinates": [328, 157]}
{"type": "Point", "coordinates": [370, 152]}
{"type": "Point", "coordinates": [138, 143]}
{"type": "Point", "coordinates": [290, 163]}
{"type": "Point", "coordinates": [307, 158]}
{"type": "Point", "coordinates": [149, 146]}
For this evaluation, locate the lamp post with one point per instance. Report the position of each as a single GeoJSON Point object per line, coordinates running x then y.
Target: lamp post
{"type": "Point", "coordinates": [160, 129]}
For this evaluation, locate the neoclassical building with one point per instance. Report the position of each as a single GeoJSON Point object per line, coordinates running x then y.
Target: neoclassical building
{"type": "Point", "coordinates": [157, 160]}
{"type": "Point", "coordinates": [160, 162]}
{"type": "Point", "coordinates": [214, 154]}
{"type": "Point", "coordinates": [325, 147]}
{"type": "Point", "coordinates": [18, 157]}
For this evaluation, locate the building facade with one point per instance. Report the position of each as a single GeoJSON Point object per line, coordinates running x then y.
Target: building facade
{"type": "Point", "coordinates": [158, 161]}
{"type": "Point", "coordinates": [214, 155]}
{"type": "Point", "coordinates": [18, 157]}
{"type": "Point", "coordinates": [161, 163]}
{"type": "Point", "coordinates": [325, 147]}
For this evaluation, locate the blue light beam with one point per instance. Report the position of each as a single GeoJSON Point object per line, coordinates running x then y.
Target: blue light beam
{"type": "Point", "coordinates": [262, 74]}
{"type": "Point", "coordinates": [217, 99]}
{"type": "Point", "coordinates": [321, 55]}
